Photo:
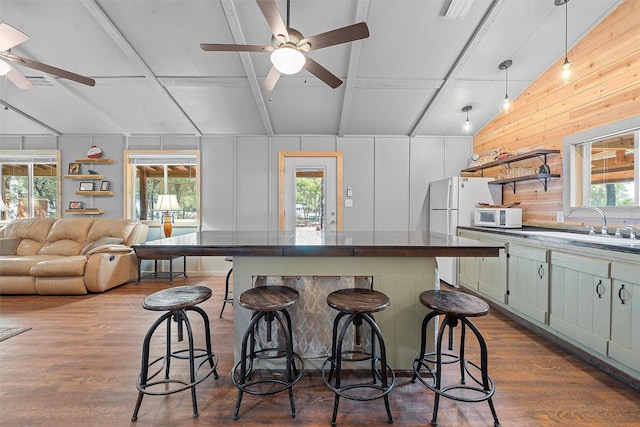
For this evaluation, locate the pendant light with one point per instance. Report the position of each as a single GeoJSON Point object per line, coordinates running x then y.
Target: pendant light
{"type": "Point", "coordinates": [467, 127]}
{"type": "Point", "coordinates": [507, 105]}
{"type": "Point", "coordinates": [565, 72]}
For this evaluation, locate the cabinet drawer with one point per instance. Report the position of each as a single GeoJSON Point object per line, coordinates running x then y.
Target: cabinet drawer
{"type": "Point", "coordinates": [594, 266]}
{"type": "Point", "coordinates": [535, 254]}
{"type": "Point", "coordinates": [626, 272]}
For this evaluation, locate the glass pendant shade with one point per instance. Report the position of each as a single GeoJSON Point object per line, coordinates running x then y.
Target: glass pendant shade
{"type": "Point", "coordinates": [565, 74]}
{"type": "Point", "coordinates": [287, 60]}
{"type": "Point", "coordinates": [507, 105]}
{"type": "Point", "coordinates": [4, 68]}
{"type": "Point", "coordinates": [467, 126]}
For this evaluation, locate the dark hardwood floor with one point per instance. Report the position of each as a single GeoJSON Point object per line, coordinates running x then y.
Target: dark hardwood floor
{"type": "Point", "coordinates": [78, 366]}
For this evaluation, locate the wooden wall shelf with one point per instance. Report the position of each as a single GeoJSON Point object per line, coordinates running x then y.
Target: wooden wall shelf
{"type": "Point", "coordinates": [84, 211]}
{"type": "Point", "coordinates": [89, 160]}
{"type": "Point", "coordinates": [85, 177]}
{"type": "Point", "coordinates": [95, 193]}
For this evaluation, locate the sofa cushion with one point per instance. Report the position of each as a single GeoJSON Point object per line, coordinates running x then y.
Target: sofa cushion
{"type": "Point", "coordinates": [29, 247]}
{"type": "Point", "coordinates": [8, 245]}
{"type": "Point", "coordinates": [60, 267]}
{"type": "Point", "coordinates": [33, 228]}
{"type": "Point", "coordinates": [104, 240]}
{"type": "Point", "coordinates": [62, 247]}
{"type": "Point", "coordinates": [70, 229]}
{"type": "Point", "coordinates": [110, 227]}
{"type": "Point", "coordinates": [20, 265]}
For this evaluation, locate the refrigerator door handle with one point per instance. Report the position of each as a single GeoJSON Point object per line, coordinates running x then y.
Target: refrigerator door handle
{"type": "Point", "coordinates": [448, 207]}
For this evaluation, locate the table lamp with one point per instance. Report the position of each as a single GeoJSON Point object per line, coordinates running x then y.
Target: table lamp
{"type": "Point", "coordinates": [168, 203]}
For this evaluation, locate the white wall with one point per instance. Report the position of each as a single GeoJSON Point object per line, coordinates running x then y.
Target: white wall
{"type": "Point", "coordinates": [389, 176]}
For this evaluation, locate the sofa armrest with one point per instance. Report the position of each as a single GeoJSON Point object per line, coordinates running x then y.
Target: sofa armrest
{"type": "Point", "coordinates": [109, 249]}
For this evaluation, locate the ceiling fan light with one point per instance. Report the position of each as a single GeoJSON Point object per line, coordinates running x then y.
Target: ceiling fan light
{"type": "Point", "coordinates": [287, 60]}
{"type": "Point", "coordinates": [4, 67]}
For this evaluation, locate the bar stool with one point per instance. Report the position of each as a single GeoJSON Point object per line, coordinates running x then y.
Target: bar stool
{"type": "Point", "coordinates": [456, 307]}
{"type": "Point", "coordinates": [356, 305]}
{"type": "Point", "coordinates": [268, 303]}
{"type": "Point", "coordinates": [176, 302]}
{"type": "Point", "coordinates": [227, 299]}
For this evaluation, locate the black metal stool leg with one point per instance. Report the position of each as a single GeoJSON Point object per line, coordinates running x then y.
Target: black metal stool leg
{"type": "Point", "coordinates": [438, 376]}
{"type": "Point", "coordinates": [226, 298]}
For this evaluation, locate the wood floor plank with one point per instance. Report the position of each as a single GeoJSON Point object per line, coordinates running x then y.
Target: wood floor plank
{"type": "Point", "coordinates": [78, 366]}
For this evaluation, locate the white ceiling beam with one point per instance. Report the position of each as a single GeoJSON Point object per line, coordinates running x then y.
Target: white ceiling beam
{"type": "Point", "coordinates": [16, 110]}
{"type": "Point", "coordinates": [238, 38]}
{"type": "Point", "coordinates": [483, 27]}
{"type": "Point", "coordinates": [101, 17]}
{"type": "Point", "coordinates": [362, 10]}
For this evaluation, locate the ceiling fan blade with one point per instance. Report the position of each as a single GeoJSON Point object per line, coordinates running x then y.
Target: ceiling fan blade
{"type": "Point", "coordinates": [214, 47]}
{"type": "Point", "coordinates": [271, 79]}
{"type": "Point", "coordinates": [10, 37]}
{"type": "Point", "coordinates": [272, 14]}
{"type": "Point", "coordinates": [19, 80]}
{"type": "Point", "coordinates": [322, 73]}
{"type": "Point", "coordinates": [30, 63]}
{"type": "Point", "coordinates": [338, 36]}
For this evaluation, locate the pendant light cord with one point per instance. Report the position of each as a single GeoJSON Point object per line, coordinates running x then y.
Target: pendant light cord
{"type": "Point", "coordinates": [566, 29]}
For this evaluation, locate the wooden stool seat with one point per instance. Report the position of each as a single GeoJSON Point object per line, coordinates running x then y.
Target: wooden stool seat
{"type": "Point", "coordinates": [268, 298]}
{"type": "Point", "coordinates": [454, 303]}
{"type": "Point", "coordinates": [358, 300]}
{"type": "Point", "coordinates": [176, 298]}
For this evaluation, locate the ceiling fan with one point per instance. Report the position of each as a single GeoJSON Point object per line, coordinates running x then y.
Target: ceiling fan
{"type": "Point", "coordinates": [289, 44]}
{"type": "Point", "coordinates": [11, 37]}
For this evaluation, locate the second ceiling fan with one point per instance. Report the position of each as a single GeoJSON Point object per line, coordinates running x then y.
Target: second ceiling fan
{"type": "Point", "coordinates": [289, 44]}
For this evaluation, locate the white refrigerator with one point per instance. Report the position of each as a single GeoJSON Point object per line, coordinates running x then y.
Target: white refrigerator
{"type": "Point", "coordinates": [451, 204]}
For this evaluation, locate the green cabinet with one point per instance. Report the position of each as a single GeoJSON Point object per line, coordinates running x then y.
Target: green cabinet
{"type": "Point", "coordinates": [528, 281]}
{"type": "Point", "coordinates": [581, 299]}
{"type": "Point", "coordinates": [625, 315]}
{"type": "Point", "coordinates": [487, 275]}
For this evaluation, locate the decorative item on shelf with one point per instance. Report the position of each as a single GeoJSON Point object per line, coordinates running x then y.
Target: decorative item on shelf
{"type": "Point", "coordinates": [76, 205]}
{"type": "Point", "coordinates": [565, 72]}
{"type": "Point", "coordinates": [94, 152]}
{"type": "Point", "coordinates": [544, 169]}
{"type": "Point", "coordinates": [92, 172]}
{"type": "Point", "coordinates": [105, 186]}
{"type": "Point", "coordinates": [87, 186]}
{"type": "Point", "coordinates": [507, 105]}
{"type": "Point", "coordinates": [168, 203]}
{"type": "Point", "coordinates": [74, 169]}
{"type": "Point", "coordinates": [467, 127]}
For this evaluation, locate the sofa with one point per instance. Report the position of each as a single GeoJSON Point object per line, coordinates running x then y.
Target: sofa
{"type": "Point", "coordinates": [70, 256]}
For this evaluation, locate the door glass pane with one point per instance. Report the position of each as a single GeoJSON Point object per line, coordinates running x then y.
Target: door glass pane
{"type": "Point", "coordinates": [309, 199]}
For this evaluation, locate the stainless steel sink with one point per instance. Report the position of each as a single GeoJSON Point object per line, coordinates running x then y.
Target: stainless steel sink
{"type": "Point", "coordinates": [593, 238]}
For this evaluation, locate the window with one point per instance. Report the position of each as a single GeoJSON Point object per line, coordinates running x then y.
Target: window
{"type": "Point", "coordinates": [30, 184]}
{"type": "Point", "coordinates": [151, 174]}
{"type": "Point", "coordinates": [601, 169]}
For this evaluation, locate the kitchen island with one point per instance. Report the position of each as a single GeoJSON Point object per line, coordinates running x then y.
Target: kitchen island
{"type": "Point", "coordinates": [401, 264]}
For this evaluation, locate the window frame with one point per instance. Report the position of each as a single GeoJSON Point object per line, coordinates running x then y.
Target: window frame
{"type": "Point", "coordinates": [31, 157]}
{"type": "Point", "coordinates": [158, 156]}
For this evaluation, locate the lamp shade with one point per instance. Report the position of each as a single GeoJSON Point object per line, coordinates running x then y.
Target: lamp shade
{"type": "Point", "coordinates": [287, 60]}
{"type": "Point", "coordinates": [168, 202]}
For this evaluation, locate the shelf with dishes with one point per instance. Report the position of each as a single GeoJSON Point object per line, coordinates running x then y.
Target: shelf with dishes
{"type": "Point", "coordinates": [543, 174]}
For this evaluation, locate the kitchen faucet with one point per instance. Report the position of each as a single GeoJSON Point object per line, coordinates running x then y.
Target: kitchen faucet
{"type": "Point", "coordinates": [604, 218]}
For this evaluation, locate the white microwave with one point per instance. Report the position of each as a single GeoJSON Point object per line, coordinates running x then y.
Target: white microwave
{"type": "Point", "coordinates": [498, 217]}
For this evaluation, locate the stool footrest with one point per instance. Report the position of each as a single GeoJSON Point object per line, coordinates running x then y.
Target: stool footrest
{"type": "Point", "coordinates": [252, 386]}
{"type": "Point", "coordinates": [343, 390]}
{"type": "Point", "coordinates": [150, 385]}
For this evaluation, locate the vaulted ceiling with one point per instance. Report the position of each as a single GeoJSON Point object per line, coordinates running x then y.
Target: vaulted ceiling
{"type": "Point", "coordinates": [412, 76]}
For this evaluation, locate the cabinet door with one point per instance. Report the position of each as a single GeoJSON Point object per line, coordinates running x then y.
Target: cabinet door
{"type": "Point", "coordinates": [625, 315]}
{"type": "Point", "coordinates": [492, 277]}
{"type": "Point", "coordinates": [528, 280]}
{"type": "Point", "coordinates": [581, 299]}
{"type": "Point", "coordinates": [468, 268]}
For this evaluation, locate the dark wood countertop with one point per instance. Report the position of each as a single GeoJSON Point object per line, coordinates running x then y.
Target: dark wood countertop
{"type": "Point", "coordinates": [316, 243]}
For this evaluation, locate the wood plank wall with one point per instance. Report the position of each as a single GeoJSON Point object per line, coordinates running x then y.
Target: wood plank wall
{"type": "Point", "coordinates": [605, 88]}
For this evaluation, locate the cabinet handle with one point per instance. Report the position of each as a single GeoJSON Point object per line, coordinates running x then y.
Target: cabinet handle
{"type": "Point", "coordinates": [598, 289]}
{"type": "Point", "coordinates": [541, 271]}
{"type": "Point", "coordinates": [620, 294]}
